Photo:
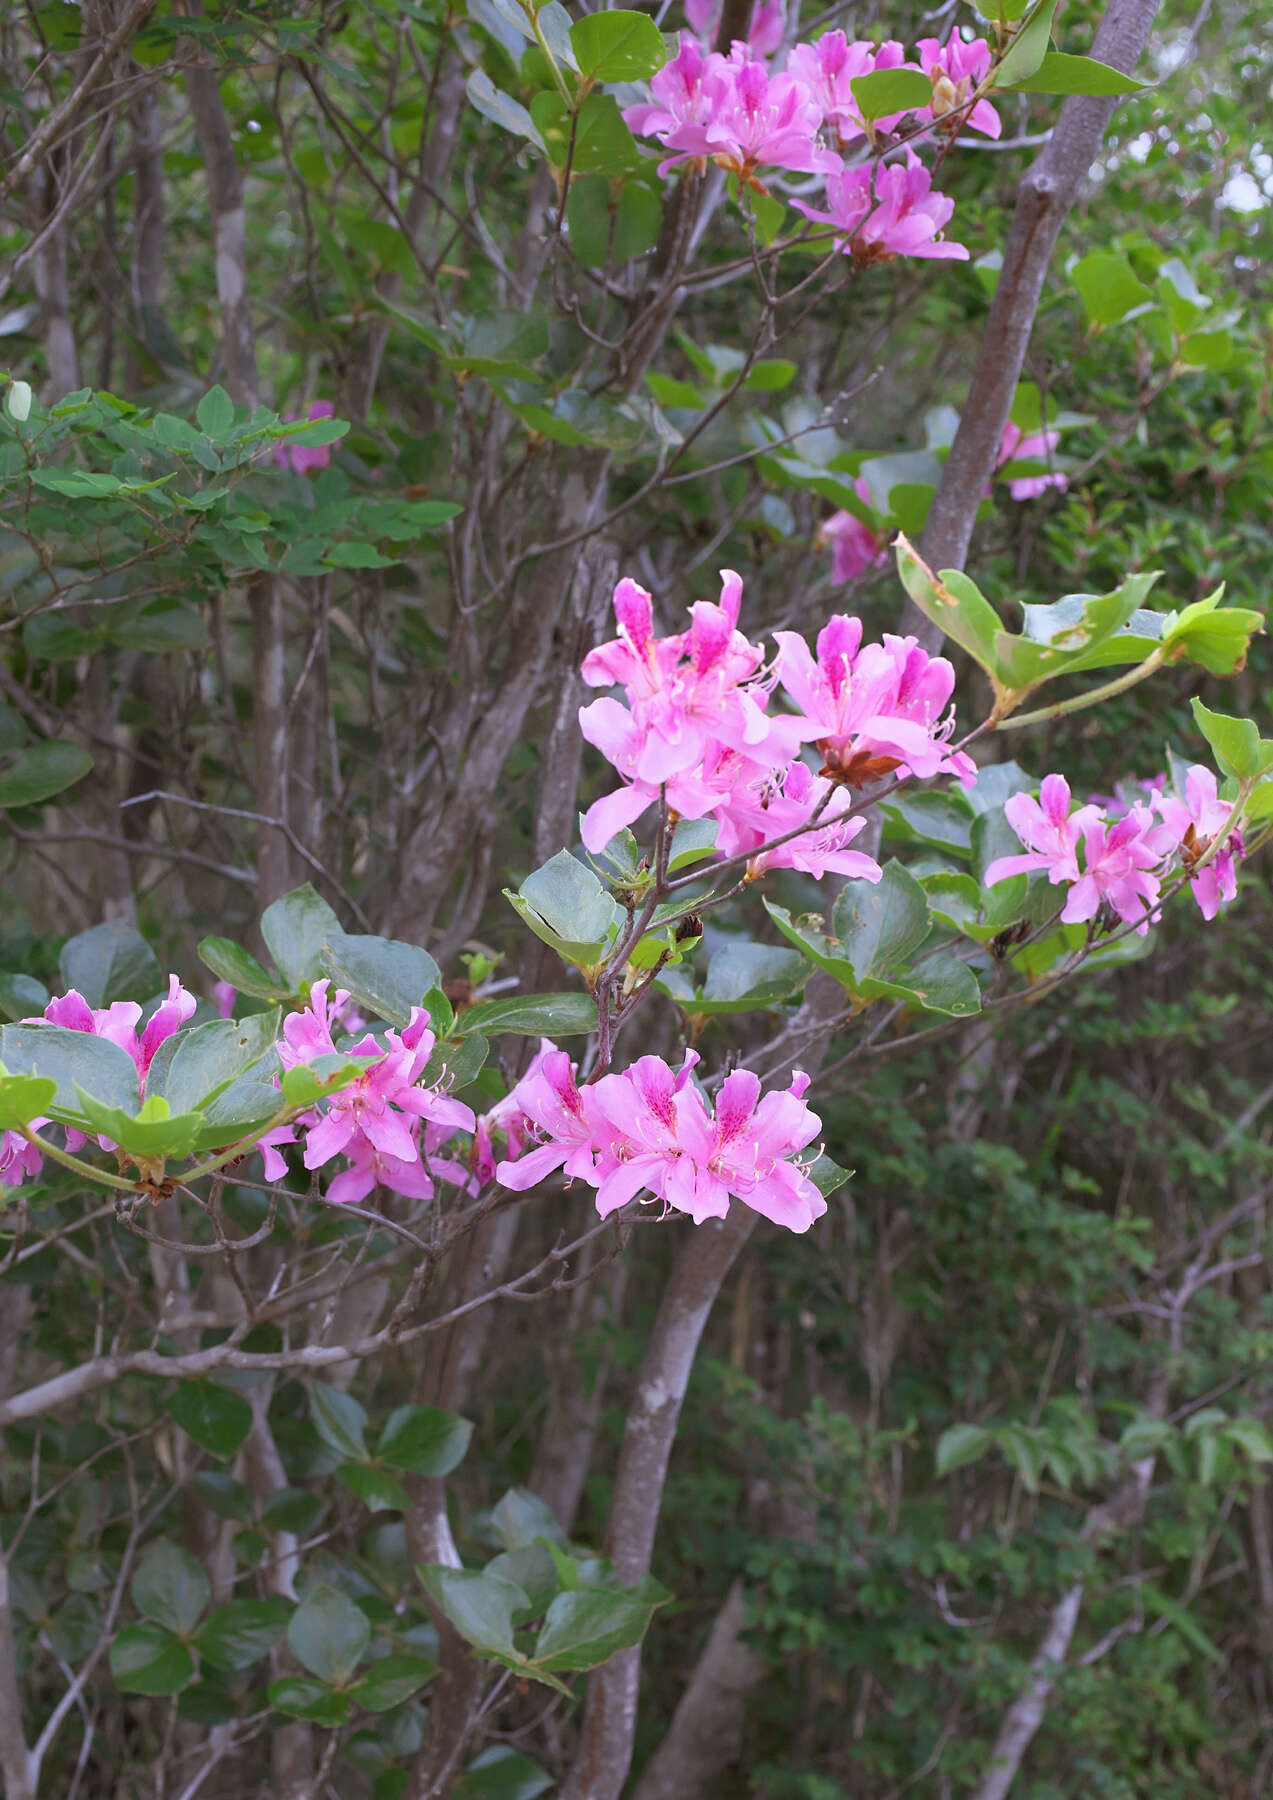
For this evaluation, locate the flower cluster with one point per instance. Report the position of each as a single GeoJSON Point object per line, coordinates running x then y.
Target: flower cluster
{"type": "Point", "coordinates": [697, 725]}
{"type": "Point", "coordinates": [118, 1025]}
{"type": "Point", "coordinates": [736, 111]}
{"type": "Point", "coordinates": [1128, 851]}
{"type": "Point", "coordinates": [650, 1131]}
{"type": "Point", "coordinates": [375, 1123]}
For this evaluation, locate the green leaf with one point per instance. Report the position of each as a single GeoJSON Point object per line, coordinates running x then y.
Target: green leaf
{"type": "Point", "coordinates": [146, 1659]}
{"type": "Point", "coordinates": [215, 413]}
{"type": "Point", "coordinates": [886, 91]}
{"type": "Point", "coordinates": [457, 1065]}
{"type": "Point", "coordinates": [828, 1176]}
{"type": "Point", "coordinates": [1218, 638]}
{"type": "Point", "coordinates": [295, 929]}
{"type": "Point", "coordinates": [586, 1628]}
{"type": "Point", "coordinates": [72, 1059]}
{"type": "Point", "coordinates": [217, 1418]}
{"type": "Point", "coordinates": [1028, 48]}
{"type": "Point", "coordinates": [231, 962]}
{"type": "Point", "coordinates": [376, 1488]}
{"type": "Point", "coordinates": [328, 1635]}
{"type": "Point", "coordinates": [22, 997]}
{"type": "Point", "coordinates": [239, 1634]}
{"type": "Point", "coordinates": [564, 904]}
{"type": "Point", "coordinates": [301, 1699]}
{"type": "Point", "coordinates": [502, 109]}
{"type": "Point", "coordinates": [170, 1588]}
{"type": "Point", "coordinates": [24, 1098]}
{"type": "Point", "coordinates": [1252, 1437]}
{"type": "Point", "coordinates": [881, 926]}
{"type": "Point", "coordinates": [612, 221]}
{"type": "Point", "coordinates": [767, 377]}
{"type": "Point", "coordinates": [426, 1440]}
{"type": "Point", "coordinates": [941, 819]}
{"type": "Point", "coordinates": [386, 977]}
{"type": "Point", "coordinates": [208, 1058]}
{"type": "Point", "coordinates": [1183, 1621]}
{"type": "Point", "coordinates": [162, 625]}
{"type": "Point", "coordinates": [225, 1496]}
{"type": "Point", "coordinates": [521, 1517]}
{"type": "Point", "coordinates": [961, 1444]}
{"type": "Point", "coordinates": [108, 963]}
{"type": "Point", "coordinates": [743, 976]}
{"type": "Point", "coordinates": [602, 143]}
{"type": "Point", "coordinates": [292, 1509]}
{"type": "Point", "coordinates": [953, 603]}
{"type": "Point", "coordinates": [617, 46]}
{"type": "Point", "coordinates": [391, 1681]}
{"type": "Point", "coordinates": [320, 1079]}
{"type": "Point", "coordinates": [42, 770]}
{"type": "Point", "coordinates": [1239, 750]}
{"type": "Point", "coordinates": [502, 1773]}
{"type": "Point", "coordinates": [152, 1133]}
{"type": "Point", "coordinates": [339, 1420]}
{"type": "Point", "coordinates": [499, 342]}
{"type": "Point", "coordinates": [534, 1015]}
{"type": "Point", "coordinates": [1108, 287]}
{"type": "Point", "coordinates": [480, 1606]}
{"type": "Point", "coordinates": [1060, 74]}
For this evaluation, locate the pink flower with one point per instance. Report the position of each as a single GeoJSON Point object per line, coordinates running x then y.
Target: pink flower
{"type": "Point", "coordinates": [374, 1121]}
{"type": "Point", "coordinates": [826, 70]}
{"type": "Point", "coordinates": [764, 35]}
{"type": "Point", "coordinates": [870, 710]}
{"type": "Point", "coordinates": [688, 695]}
{"type": "Point", "coordinates": [747, 1148]}
{"type": "Point", "coordinates": [548, 1095]}
{"type": "Point", "coordinates": [637, 1134]}
{"type": "Point", "coordinates": [224, 995]}
{"type": "Point", "coordinates": [18, 1157]}
{"type": "Point", "coordinates": [1049, 831]}
{"type": "Point", "coordinates": [1117, 862]}
{"type": "Point", "coordinates": [854, 546]}
{"type": "Point", "coordinates": [901, 217]}
{"type": "Point", "coordinates": [679, 96]}
{"type": "Point", "coordinates": [1195, 823]}
{"type": "Point", "coordinates": [118, 1023]}
{"type": "Point", "coordinates": [956, 69]}
{"type": "Point", "coordinates": [300, 458]}
{"type": "Point", "coordinates": [748, 120]}
{"type": "Point", "coordinates": [1038, 447]}
{"type": "Point", "coordinates": [775, 803]}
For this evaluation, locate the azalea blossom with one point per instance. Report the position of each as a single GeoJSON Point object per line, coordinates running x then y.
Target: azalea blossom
{"type": "Point", "coordinates": [679, 95]}
{"type": "Point", "coordinates": [19, 1157]}
{"type": "Point", "coordinates": [548, 1096]}
{"type": "Point", "coordinates": [1038, 446]}
{"type": "Point", "coordinates": [748, 119]}
{"type": "Point", "coordinates": [374, 1122]}
{"type": "Point", "coordinates": [827, 69]}
{"type": "Point", "coordinates": [855, 547]}
{"type": "Point", "coordinates": [304, 459]}
{"type": "Point", "coordinates": [1195, 823]}
{"type": "Point", "coordinates": [873, 709]}
{"type": "Point", "coordinates": [747, 1148]}
{"type": "Point", "coordinates": [773, 804]}
{"type": "Point", "coordinates": [885, 212]}
{"type": "Point", "coordinates": [1120, 869]}
{"type": "Point", "coordinates": [956, 68]}
{"type": "Point", "coordinates": [1048, 829]}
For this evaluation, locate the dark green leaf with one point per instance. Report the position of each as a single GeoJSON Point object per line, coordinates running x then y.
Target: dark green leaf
{"type": "Point", "coordinates": [609, 221]}
{"type": "Point", "coordinates": [215, 413]}
{"type": "Point", "coordinates": [882, 925]}
{"type": "Point", "coordinates": [328, 1635]}
{"type": "Point", "coordinates": [71, 1058]}
{"type": "Point", "coordinates": [207, 1058]}
{"type": "Point", "coordinates": [426, 1440]}
{"type": "Point", "coordinates": [480, 1606]}
{"type": "Point", "coordinates": [617, 46]}
{"type": "Point", "coordinates": [111, 962]}
{"type": "Point", "coordinates": [301, 1699]}
{"type": "Point", "coordinates": [239, 1634]}
{"type": "Point", "coordinates": [391, 1681]}
{"type": "Point", "coordinates": [231, 962]}
{"type": "Point", "coordinates": [376, 1488]}
{"type": "Point", "coordinates": [521, 1517]}
{"type": "Point", "coordinates": [502, 1773]}
{"type": "Point", "coordinates": [961, 1444]}
{"type": "Point", "coordinates": [584, 1629]}
{"type": "Point", "coordinates": [22, 997]}
{"type": "Point", "coordinates": [292, 1509]}
{"type": "Point", "coordinates": [386, 977]}
{"type": "Point", "coordinates": [535, 1015]}
{"type": "Point", "coordinates": [225, 1496]}
{"type": "Point", "coordinates": [146, 1659]}
{"type": "Point", "coordinates": [170, 1587]}
{"type": "Point", "coordinates": [42, 770]}
{"type": "Point", "coordinates": [602, 143]}
{"type": "Point", "coordinates": [217, 1418]}
{"type": "Point", "coordinates": [295, 929]}
{"type": "Point", "coordinates": [339, 1420]}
